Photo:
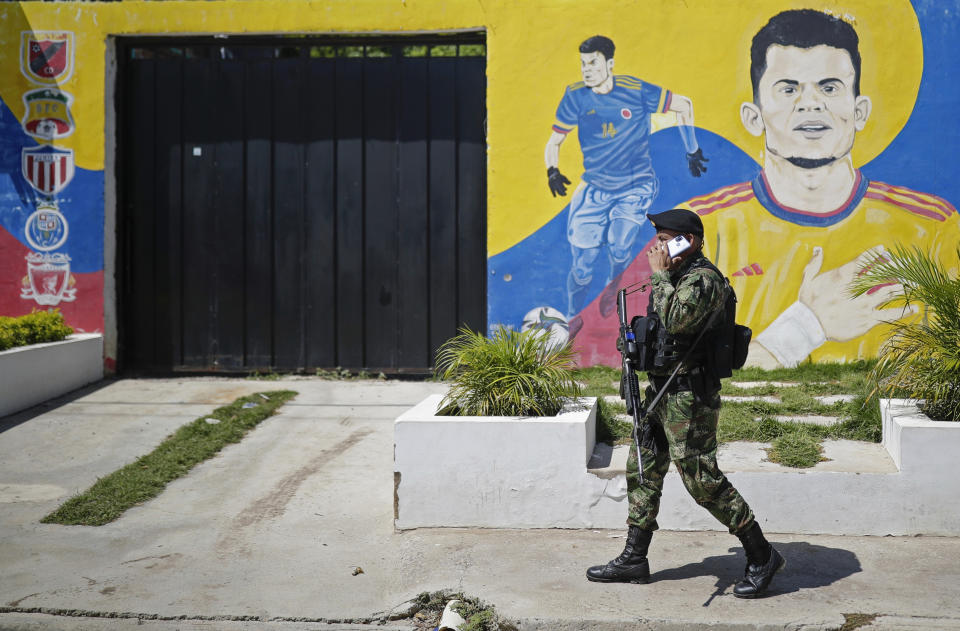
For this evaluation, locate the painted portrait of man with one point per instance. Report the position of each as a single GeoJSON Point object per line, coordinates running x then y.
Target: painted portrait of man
{"type": "Point", "coordinates": [796, 235]}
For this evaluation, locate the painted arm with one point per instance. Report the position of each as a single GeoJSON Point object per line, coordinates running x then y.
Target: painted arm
{"type": "Point", "coordinates": [551, 156]}
{"type": "Point", "coordinates": [552, 153]}
{"type": "Point", "coordinates": [683, 108]}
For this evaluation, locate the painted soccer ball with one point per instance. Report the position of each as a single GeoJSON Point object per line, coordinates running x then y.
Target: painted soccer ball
{"type": "Point", "coordinates": [550, 321]}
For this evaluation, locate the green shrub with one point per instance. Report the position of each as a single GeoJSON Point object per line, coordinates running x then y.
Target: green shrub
{"type": "Point", "coordinates": [510, 373]}
{"type": "Point", "coordinates": [33, 328]}
{"type": "Point", "coordinates": [921, 359]}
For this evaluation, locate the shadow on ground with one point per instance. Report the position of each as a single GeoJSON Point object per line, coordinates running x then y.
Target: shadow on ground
{"type": "Point", "coordinates": [808, 567]}
{"type": "Point", "coordinates": [17, 418]}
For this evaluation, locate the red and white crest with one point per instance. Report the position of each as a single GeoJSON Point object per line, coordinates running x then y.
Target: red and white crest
{"type": "Point", "coordinates": [48, 169]}
{"type": "Point", "coordinates": [46, 56]}
{"type": "Point", "coordinates": [627, 114]}
{"type": "Point", "coordinates": [48, 281]}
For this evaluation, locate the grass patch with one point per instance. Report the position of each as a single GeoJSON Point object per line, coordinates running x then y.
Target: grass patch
{"type": "Point", "coordinates": [598, 381]}
{"type": "Point", "coordinates": [852, 621]}
{"type": "Point", "coordinates": [343, 374]}
{"type": "Point", "coordinates": [808, 372]}
{"type": "Point", "coordinates": [146, 478]}
{"type": "Point", "coordinates": [256, 375]}
{"type": "Point", "coordinates": [799, 449]}
{"type": "Point", "coordinates": [611, 429]}
{"type": "Point", "coordinates": [479, 616]}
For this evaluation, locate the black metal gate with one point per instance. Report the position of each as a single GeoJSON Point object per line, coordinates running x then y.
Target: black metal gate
{"type": "Point", "coordinates": [294, 203]}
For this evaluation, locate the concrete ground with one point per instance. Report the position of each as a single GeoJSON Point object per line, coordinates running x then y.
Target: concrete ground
{"type": "Point", "coordinates": [268, 535]}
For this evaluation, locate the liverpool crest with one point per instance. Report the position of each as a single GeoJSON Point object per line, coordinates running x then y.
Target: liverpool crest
{"type": "Point", "coordinates": [48, 113]}
{"type": "Point", "coordinates": [46, 56]}
{"type": "Point", "coordinates": [48, 281]}
{"type": "Point", "coordinates": [48, 169]}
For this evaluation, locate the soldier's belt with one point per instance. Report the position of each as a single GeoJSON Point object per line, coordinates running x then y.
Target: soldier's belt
{"type": "Point", "coordinates": [680, 383]}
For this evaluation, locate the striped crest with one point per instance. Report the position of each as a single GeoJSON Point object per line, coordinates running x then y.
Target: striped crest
{"type": "Point", "coordinates": [47, 169]}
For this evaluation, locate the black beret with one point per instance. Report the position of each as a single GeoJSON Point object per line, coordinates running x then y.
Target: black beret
{"type": "Point", "coordinates": [678, 219]}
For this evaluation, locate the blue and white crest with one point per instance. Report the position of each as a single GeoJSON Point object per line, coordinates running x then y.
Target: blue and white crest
{"type": "Point", "coordinates": [46, 229]}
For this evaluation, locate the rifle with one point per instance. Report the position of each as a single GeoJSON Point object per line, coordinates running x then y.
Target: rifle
{"type": "Point", "coordinates": [629, 384]}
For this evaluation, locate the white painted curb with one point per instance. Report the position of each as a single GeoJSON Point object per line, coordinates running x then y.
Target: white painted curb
{"type": "Point", "coordinates": [33, 374]}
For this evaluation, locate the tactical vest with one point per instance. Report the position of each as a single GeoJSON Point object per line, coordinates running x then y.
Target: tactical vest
{"type": "Point", "coordinates": [722, 348]}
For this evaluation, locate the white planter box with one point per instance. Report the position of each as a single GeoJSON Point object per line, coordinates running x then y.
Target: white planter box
{"type": "Point", "coordinates": [505, 472]}
{"type": "Point", "coordinates": [531, 473]}
{"type": "Point", "coordinates": [918, 445]}
{"type": "Point", "coordinates": [33, 374]}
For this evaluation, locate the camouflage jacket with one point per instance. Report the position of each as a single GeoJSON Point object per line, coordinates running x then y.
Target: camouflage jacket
{"type": "Point", "coordinates": [686, 297]}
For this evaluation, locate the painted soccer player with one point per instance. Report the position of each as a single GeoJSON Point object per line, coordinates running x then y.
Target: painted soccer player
{"type": "Point", "coordinates": [809, 209]}
{"type": "Point", "coordinates": [608, 208]}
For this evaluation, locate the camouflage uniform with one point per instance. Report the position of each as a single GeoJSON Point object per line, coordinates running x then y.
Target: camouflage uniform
{"type": "Point", "coordinates": [684, 299]}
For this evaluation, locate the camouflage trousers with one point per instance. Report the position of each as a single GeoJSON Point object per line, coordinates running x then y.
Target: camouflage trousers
{"type": "Point", "coordinates": [691, 432]}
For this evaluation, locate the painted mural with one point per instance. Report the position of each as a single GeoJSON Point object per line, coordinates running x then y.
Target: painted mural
{"type": "Point", "coordinates": [51, 210]}
{"type": "Point", "coordinates": [792, 228]}
{"type": "Point", "coordinates": [808, 135]}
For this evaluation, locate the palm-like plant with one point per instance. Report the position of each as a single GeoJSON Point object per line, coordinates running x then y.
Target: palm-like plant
{"type": "Point", "coordinates": [921, 359]}
{"type": "Point", "coordinates": [510, 373]}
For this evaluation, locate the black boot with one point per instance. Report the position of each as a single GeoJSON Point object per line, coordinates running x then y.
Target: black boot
{"type": "Point", "coordinates": [763, 561]}
{"type": "Point", "coordinates": [631, 566]}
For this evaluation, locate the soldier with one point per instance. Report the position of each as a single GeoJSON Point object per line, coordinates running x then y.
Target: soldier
{"type": "Point", "coordinates": [686, 290]}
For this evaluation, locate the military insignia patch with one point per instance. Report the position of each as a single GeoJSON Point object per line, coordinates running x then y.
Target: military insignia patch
{"type": "Point", "coordinates": [48, 113]}
{"type": "Point", "coordinates": [48, 169]}
{"type": "Point", "coordinates": [46, 56]}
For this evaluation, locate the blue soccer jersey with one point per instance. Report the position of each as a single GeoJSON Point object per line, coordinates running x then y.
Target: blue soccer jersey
{"type": "Point", "coordinates": [613, 129]}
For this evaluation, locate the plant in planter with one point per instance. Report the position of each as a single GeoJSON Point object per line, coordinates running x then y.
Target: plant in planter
{"type": "Point", "coordinates": [35, 327]}
{"type": "Point", "coordinates": [511, 373]}
{"type": "Point", "coordinates": [921, 359]}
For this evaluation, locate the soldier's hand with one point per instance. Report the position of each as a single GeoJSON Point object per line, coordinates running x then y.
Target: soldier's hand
{"type": "Point", "coordinates": [620, 343]}
{"type": "Point", "coordinates": [557, 182]}
{"type": "Point", "coordinates": [695, 161]}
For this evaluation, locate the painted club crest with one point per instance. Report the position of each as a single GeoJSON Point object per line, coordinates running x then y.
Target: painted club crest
{"type": "Point", "coordinates": [48, 281]}
{"type": "Point", "coordinates": [46, 56]}
{"type": "Point", "coordinates": [47, 114]}
{"type": "Point", "coordinates": [48, 169]}
{"type": "Point", "coordinates": [46, 229]}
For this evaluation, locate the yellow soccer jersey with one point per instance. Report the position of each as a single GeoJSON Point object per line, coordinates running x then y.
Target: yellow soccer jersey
{"type": "Point", "coordinates": [765, 247]}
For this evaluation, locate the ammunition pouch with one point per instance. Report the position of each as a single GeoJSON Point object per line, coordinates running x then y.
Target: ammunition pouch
{"type": "Point", "coordinates": [659, 350]}
{"type": "Point", "coordinates": [645, 330]}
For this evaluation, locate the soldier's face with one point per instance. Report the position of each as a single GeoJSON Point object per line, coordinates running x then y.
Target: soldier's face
{"type": "Point", "coordinates": [594, 68]}
{"type": "Point", "coordinates": [807, 105]}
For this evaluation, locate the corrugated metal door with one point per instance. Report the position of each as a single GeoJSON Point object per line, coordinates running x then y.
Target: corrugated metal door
{"type": "Point", "coordinates": [299, 203]}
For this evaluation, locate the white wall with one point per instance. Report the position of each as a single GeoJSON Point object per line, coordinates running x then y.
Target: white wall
{"type": "Point", "coordinates": [33, 374]}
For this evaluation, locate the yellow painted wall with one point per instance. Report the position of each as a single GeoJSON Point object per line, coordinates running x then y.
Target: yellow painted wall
{"type": "Point", "coordinates": [693, 48]}
{"type": "Point", "coordinates": [696, 48]}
